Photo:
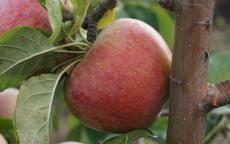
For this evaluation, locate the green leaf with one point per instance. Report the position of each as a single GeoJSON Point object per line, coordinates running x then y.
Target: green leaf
{"type": "Point", "coordinates": [55, 18]}
{"type": "Point", "coordinates": [159, 128]}
{"type": "Point", "coordinates": [58, 104]}
{"type": "Point", "coordinates": [33, 109]}
{"type": "Point", "coordinates": [25, 52]}
{"type": "Point", "coordinates": [129, 137]}
{"type": "Point", "coordinates": [5, 125]}
{"type": "Point", "coordinates": [7, 129]}
{"type": "Point", "coordinates": [141, 12]}
{"type": "Point", "coordinates": [80, 8]}
{"type": "Point", "coordinates": [107, 19]}
{"type": "Point", "coordinates": [34, 104]}
{"type": "Point", "coordinates": [85, 135]}
{"type": "Point", "coordinates": [21, 55]}
{"type": "Point", "coordinates": [215, 125]}
{"type": "Point", "coordinates": [224, 110]}
{"type": "Point", "coordinates": [66, 27]}
{"type": "Point", "coordinates": [219, 67]}
{"type": "Point", "coordinates": [42, 2]}
{"type": "Point", "coordinates": [152, 14]}
{"type": "Point", "coordinates": [165, 23]}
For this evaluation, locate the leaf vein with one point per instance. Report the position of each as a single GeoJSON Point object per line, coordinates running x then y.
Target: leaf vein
{"type": "Point", "coordinates": [41, 107]}
{"type": "Point", "coordinates": [39, 129]}
{"type": "Point", "coordinates": [11, 46]}
{"type": "Point", "coordinates": [6, 59]}
{"type": "Point", "coordinates": [34, 95]}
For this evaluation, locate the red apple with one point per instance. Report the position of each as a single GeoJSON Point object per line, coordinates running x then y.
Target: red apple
{"type": "Point", "coordinates": [8, 99]}
{"type": "Point", "coordinates": [22, 13]}
{"type": "Point", "coordinates": [2, 140]}
{"type": "Point", "coordinates": [121, 83]}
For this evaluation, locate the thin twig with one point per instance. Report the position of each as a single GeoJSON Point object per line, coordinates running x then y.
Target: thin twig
{"type": "Point", "coordinates": [66, 62]}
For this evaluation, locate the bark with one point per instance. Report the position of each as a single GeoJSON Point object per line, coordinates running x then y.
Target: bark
{"type": "Point", "coordinates": [217, 95]}
{"type": "Point", "coordinates": [189, 70]}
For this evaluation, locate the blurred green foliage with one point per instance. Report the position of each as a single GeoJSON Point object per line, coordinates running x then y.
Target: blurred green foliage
{"type": "Point", "coordinates": [219, 68]}
{"type": "Point", "coordinates": [152, 14]}
{"type": "Point", "coordinates": [7, 129]}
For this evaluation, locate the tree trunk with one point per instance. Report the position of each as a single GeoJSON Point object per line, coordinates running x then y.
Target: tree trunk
{"type": "Point", "coordinates": [189, 70]}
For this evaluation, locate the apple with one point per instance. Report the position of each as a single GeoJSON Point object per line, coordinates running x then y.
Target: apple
{"type": "Point", "coordinates": [22, 13]}
{"type": "Point", "coordinates": [8, 99]}
{"type": "Point", "coordinates": [121, 83]}
{"type": "Point", "coordinates": [2, 140]}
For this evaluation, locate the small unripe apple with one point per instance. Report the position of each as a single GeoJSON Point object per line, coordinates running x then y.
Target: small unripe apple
{"type": "Point", "coordinates": [22, 13]}
{"type": "Point", "coordinates": [121, 83]}
{"type": "Point", "coordinates": [2, 140]}
{"type": "Point", "coordinates": [8, 99]}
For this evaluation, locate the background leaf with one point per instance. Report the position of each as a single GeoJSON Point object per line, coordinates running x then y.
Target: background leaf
{"type": "Point", "coordinates": [160, 129]}
{"type": "Point", "coordinates": [219, 67]}
{"type": "Point", "coordinates": [165, 23]}
{"type": "Point", "coordinates": [58, 103]}
{"type": "Point", "coordinates": [129, 137]}
{"type": "Point", "coordinates": [86, 135]}
{"type": "Point", "coordinates": [152, 14]}
{"type": "Point", "coordinates": [42, 2]}
{"type": "Point", "coordinates": [7, 130]}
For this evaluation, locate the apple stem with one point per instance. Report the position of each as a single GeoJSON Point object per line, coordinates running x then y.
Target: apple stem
{"type": "Point", "coordinates": [78, 58]}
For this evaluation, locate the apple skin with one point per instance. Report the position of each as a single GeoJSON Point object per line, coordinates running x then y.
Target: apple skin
{"type": "Point", "coordinates": [23, 13]}
{"type": "Point", "coordinates": [8, 99]}
{"type": "Point", "coordinates": [121, 83]}
{"type": "Point", "coordinates": [2, 140]}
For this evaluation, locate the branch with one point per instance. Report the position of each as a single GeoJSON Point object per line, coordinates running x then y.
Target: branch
{"type": "Point", "coordinates": [188, 83]}
{"type": "Point", "coordinates": [217, 95]}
